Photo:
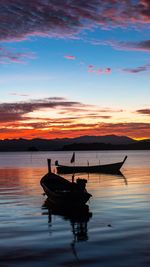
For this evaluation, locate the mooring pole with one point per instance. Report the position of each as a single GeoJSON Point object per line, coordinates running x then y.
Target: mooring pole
{"type": "Point", "coordinates": [49, 165]}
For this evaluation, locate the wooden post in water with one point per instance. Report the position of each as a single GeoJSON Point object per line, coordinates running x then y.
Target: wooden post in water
{"type": "Point", "coordinates": [49, 165]}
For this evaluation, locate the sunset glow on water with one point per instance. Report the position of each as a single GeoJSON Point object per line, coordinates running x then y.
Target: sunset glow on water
{"type": "Point", "coordinates": [117, 227]}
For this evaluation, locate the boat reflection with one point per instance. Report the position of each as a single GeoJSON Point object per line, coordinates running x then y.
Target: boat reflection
{"type": "Point", "coordinates": [78, 217]}
{"type": "Point", "coordinates": [121, 175]}
{"type": "Point", "coordinates": [89, 176]}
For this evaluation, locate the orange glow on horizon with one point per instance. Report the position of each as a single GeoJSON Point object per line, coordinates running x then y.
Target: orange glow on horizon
{"type": "Point", "coordinates": [54, 118]}
{"type": "Point", "coordinates": [71, 133]}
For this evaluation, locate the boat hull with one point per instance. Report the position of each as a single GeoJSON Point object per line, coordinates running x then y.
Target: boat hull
{"type": "Point", "coordinates": [61, 192]}
{"type": "Point", "coordinates": [108, 168]}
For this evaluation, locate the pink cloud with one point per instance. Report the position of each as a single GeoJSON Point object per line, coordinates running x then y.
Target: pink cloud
{"type": "Point", "coordinates": [90, 66]}
{"type": "Point", "coordinates": [93, 69]}
{"type": "Point", "coordinates": [108, 70]}
{"type": "Point", "coordinates": [70, 57]}
{"type": "Point", "coordinates": [22, 19]}
{"type": "Point", "coordinates": [11, 56]}
{"type": "Point", "coordinates": [99, 71]}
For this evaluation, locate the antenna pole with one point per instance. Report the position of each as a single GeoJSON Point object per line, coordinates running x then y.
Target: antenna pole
{"type": "Point", "coordinates": [49, 165]}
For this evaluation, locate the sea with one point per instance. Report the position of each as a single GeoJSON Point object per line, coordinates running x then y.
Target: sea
{"type": "Point", "coordinates": [113, 232]}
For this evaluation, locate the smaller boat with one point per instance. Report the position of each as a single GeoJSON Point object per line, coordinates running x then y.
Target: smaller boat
{"type": "Point", "coordinates": [112, 168]}
{"type": "Point", "coordinates": [62, 192]}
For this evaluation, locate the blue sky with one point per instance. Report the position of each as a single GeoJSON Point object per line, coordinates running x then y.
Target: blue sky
{"type": "Point", "coordinates": [93, 54]}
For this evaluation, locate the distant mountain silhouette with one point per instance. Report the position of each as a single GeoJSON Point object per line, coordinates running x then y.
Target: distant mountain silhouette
{"type": "Point", "coordinates": [107, 139]}
{"type": "Point", "coordinates": [138, 145]}
{"type": "Point", "coordinates": [111, 142]}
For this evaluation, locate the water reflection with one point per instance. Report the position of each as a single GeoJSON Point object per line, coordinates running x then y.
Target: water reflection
{"type": "Point", "coordinates": [121, 175]}
{"type": "Point", "coordinates": [118, 234]}
{"type": "Point", "coordinates": [20, 181]}
{"type": "Point", "coordinates": [99, 180]}
{"type": "Point", "coordinates": [78, 217]}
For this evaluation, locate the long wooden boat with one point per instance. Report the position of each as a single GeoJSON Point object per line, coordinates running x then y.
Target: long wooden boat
{"type": "Point", "coordinates": [63, 192]}
{"type": "Point", "coordinates": [107, 168]}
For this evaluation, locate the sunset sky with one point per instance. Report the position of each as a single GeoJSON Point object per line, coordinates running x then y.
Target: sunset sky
{"type": "Point", "coordinates": [74, 67]}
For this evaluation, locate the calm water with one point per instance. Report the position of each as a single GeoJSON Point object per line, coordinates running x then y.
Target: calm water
{"type": "Point", "coordinates": [115, 232]}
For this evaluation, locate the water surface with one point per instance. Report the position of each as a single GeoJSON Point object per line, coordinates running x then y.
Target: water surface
{"type": "Point", "coordinates": [115, 231]}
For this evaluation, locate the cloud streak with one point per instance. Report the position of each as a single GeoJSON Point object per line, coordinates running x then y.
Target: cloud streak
{"type": "Point", "coordinates": [143, 46]}
{"type": "Point", "coordinates": [17, 110]}
{"type": "Point", "coordinates": [56, 116]}
{"type": "Point", "coordinates": [17, 94]}
{"type": "Point", "coordinates": [50, 113]}
{"type": "Point", "coordinates": [70, 57]}
{"type": "Point", "coordinates": [138, 69]}
{"type": "Point", "coordinates": [98, 71]}
{"type": "Point", "coordinates": [10, 56]}
{"type": "Point", "coordinates": [145, 111]}
{"type": "Point", "coordinates": [21, 19]}
{"type": "Point", "coordinates": [64, 109]}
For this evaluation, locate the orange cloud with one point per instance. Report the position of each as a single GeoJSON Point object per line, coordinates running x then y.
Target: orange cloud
{"type": "Point", "coordinates": [133, 130]}
{"type": "Point", "coordinates": [56, 117]}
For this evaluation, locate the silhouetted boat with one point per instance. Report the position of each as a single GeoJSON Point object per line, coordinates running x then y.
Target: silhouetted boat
{"type": "Point", "coordinates": [107, 168]}
{"type": "Point", "coordinates": [63, 192]}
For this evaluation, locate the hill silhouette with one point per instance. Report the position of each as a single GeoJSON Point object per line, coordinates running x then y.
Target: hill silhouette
{"type": "Point", "coordinates": [108, 142]}
{"type": "Point", "coordinates": [139, 145]}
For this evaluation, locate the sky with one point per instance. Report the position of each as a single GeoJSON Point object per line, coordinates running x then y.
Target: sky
{"type": "Point", "coordinates": [74, 67]}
